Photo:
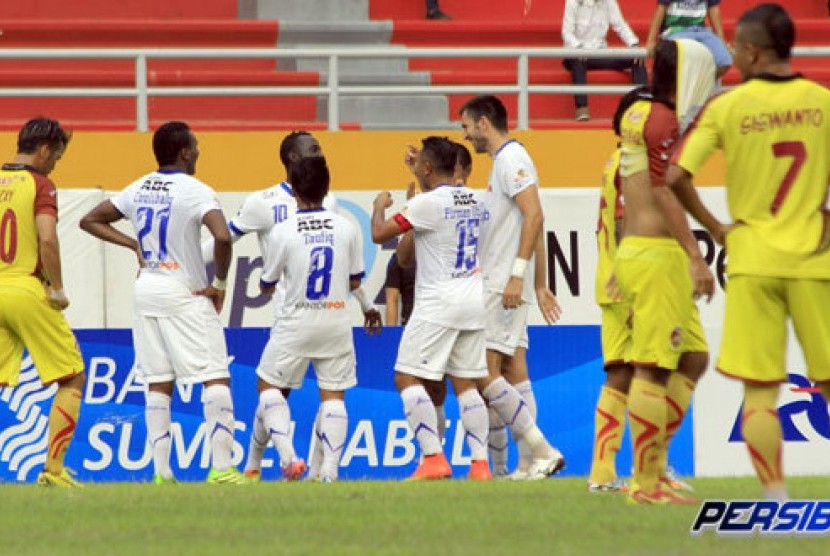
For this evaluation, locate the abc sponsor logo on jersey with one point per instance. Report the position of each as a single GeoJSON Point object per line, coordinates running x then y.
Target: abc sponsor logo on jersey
{"type": "Point", "coordinates": [811, 410]}
{"type": "Point", "coordinates": [742, 518]}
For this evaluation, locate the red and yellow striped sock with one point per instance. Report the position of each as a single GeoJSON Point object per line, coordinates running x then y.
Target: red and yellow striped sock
{"type": "Point", "coordinates": [678, 397]}
{"type": "Point", "coordinates": [609, 420]}
{"type": "Point", "coordinates": [647, 419]}
{"type": "Point", "coordinates": [63, 419]}
{"type": "Point", "coordinates": [761, 430]}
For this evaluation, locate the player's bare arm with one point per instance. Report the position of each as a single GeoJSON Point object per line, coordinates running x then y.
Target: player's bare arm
{"type": "Point", "coordinates": [98, 222]}
{"type": "Point", "coordinates": [214, 220]}
{"type": "Point", "coordinates": [50, 257]}
{"type": "Point", "coordinates": [372, 321]}
{"type": "Point", "coordinates": [382, 229]}
{"type": "Point", "coordinates": [530, 206]}
{"type": "Point", "coordinates": [548, 304]}
{"type": "Point", "coordinates": [679, 180]}
{"type": "Point", "coordinates": [702, 277]}
{"type": "Point", "coordinates": [405, 251]}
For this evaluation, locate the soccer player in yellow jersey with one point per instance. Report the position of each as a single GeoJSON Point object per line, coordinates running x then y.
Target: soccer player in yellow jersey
{"type": "Point", "coordinates": [774, 130]}
{"type": "Point", "coordinates": [658, 269]}
{"type": "Point", "coordinates": [31, 287]}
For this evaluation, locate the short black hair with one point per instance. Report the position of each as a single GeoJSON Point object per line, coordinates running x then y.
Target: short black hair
{"type": "Point", "coordinates": [289, 145]}
{"type": "Point", "coordinates": [770, 26]}
{"type": "Point", "coordinates": [462, 156]}
{"type": "Point", "coordinates": [441, 153]}
{"type": "Point", "coordinates": [629, 98]}
{"type": "Point", "coordinates": [664, 72]}
{"type": "Point", "coordinates": [38, 131]}
{"type": "Point", "coordinates": [169, 140]}
{"type": "Point", "coordinates": [309, 177]}
{"type": "Point", "coordinates": [488, 106]}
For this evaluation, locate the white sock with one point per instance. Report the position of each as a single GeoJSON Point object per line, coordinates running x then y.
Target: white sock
{"type": "Point", "coordinates": [441, 421]}
{"type": "Point", "coordinates": [474, 418]}
{"type": "Point", "coordinates": [258, 443]}
{"type": "Point", "coordinates": [219, 417]}
{"type": "Point", "coordinates": [277, 418]}
{"type": "Point", "coordinates": [157, 414]}
{"type": "Point", "coordinates": [497, 442]}
{"type": "Point", "coordinates": [420, 414]}
{"type": "Point", "coordinates": [525, 453]}
{"type": "Point", "coordinates": [334, 424]}
{"type": "Point", "coordinates": [315, 457]}
{"type": "Point", "coordinates": [510, 406]}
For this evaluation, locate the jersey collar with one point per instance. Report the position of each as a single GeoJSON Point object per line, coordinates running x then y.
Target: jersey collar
{"type": "Point", "coordinates": [765, 76]}
{"type": "Point", "coordinates": [314, 209]}
{"type": "Point", "coordinates": [287, 188]}
{"type": "Point", "coordinates": [504, 146]}
{"type": "Point", "coordinates": [170, 171]}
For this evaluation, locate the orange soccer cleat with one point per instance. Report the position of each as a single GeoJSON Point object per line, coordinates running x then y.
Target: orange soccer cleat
{"type": "Point", "coordinates": [434, 466]}
{"type": "Point", "coordinates": [479, 470]}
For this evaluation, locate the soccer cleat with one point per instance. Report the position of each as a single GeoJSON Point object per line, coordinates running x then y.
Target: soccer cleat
{"type": "Point", "coordinates": [617, 485]}
{"type": "Point", "coordinates": [673, 481]}
{"type": "Point", "coordinates": [62, 480]}
{"type": "Point", "coordinates": [231, 476]}
{"type": "Point", "coordinates": [659, 496]}
{"type": "Point", "coordinates": [294, 470]}
{"type": "Point", "coordinates": [479, 470]}
{"type": "Point", "coordinates": [327, 479]}
{"type": "Point", "coordinates": [433, 467]}
{"type": "Point", "coordinates": [545, 467]}
{"type": "Point", "coordinates": [518, 474]}
{"type": "Point", "coordinates": [159, 479]}
{"type": "Point", "coordinates": [253, 475]}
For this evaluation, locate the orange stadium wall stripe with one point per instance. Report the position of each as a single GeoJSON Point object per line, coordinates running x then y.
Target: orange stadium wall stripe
{"type": "Point", "coordinates": [359, 160]}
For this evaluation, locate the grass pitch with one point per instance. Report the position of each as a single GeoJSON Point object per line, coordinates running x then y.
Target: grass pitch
{"type": "Point", "coordinates": [556, 516]}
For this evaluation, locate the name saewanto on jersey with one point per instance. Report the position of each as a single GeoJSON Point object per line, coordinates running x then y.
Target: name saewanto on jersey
{"type": "Point", "coordinates": [810, 404]}
{"type": "Point", "coordinates": [744, 518]}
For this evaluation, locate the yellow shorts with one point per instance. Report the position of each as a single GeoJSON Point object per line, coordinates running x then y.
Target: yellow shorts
{"type": "Point", "coordinates": [754, 345]}
{"type": "Point", "coordinates": [26, 319]}
{"type": "Point", "coordinates": [615, 333]}
{"type": "Point", "coordinates": [653, 274]}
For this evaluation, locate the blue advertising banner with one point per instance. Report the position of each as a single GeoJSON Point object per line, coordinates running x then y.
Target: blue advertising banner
{"type": "Point", "coordinates": [110, 441]}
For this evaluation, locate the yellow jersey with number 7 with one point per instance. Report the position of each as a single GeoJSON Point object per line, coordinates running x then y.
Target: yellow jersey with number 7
{"type": "Point", "coordinates": [775, 136]}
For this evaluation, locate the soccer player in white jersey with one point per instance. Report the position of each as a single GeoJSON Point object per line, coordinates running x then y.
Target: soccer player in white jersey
{"type": "Point", "coordinates": [176, 326]}
{"type": "Point", "coordinates": [508, 241]}
{"type": "Point", "coordinates": [445, 333]}
{"type": "Point", "coordinates": [318, 257]}
{"type": "Point", "coordinates": [259, 213]}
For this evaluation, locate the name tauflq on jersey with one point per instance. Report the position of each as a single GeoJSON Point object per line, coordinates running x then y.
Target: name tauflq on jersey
{"type": "Point", "coordinates": [314, 254]}
{"type": "Point", "coordinates": [512, 173]}
{"type": "Point", "coordinates": [166, 211]}
{"type": "Point", "coordinates": [449, 290]}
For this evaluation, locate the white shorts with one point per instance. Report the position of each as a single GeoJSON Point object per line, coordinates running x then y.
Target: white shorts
{"type": "Point", "coordinates": [285, 370]}
{"type": "Point", "coordinates": [188, 347]}
{"type": "Point", "coordinates": [506, 328]}
{"type": "Point", "coordinates": [431, 351]}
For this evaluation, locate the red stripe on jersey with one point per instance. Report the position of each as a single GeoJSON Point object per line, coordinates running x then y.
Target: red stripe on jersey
{"type": "Point", "coordinates": [403, 224]}
{"type": "Point", "coordinates": [46, 196]}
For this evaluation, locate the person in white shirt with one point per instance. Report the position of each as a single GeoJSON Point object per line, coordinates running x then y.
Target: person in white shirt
{"type": "Point", "coordinates": [512, 234]}
{"type": "Point", "coordinates": [260, 212]}
{"type": "Point", "coordinates": [585, 25]}
{"type": "Point", "coordinates": [176, 326]}
{"type": "Point", "coordinates": [318, 257]}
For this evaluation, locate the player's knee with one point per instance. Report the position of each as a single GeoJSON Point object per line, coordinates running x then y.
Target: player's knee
{"type": "Point", "coordinates": [693, 364]}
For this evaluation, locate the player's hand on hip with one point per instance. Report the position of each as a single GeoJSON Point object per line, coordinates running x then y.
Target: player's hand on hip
{"type": "Point", "coordinates": [548, 305]}
{"type": "Point", "coordinates": [217, 297]}
{"type": "Point", "coordinates": [372, 322]}
{"type": "Point", "coordinates": [383, 200]}
{"type": "Point", "coordinates": [702, 278]}
{"type": "Point", "coordinates": [511, 297]}
{"type": "Point", "coordinates": [57, 298]}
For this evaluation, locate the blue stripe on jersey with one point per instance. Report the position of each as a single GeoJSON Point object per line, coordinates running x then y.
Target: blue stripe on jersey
{"type": "Point", "coordinates": [287, 188]}
{"type": "Point", "coordinates": [313, 209]}
{"type": "Point", "coordinates": [234, 229]}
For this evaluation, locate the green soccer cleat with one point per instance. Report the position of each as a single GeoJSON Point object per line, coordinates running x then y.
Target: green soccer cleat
{"type": "Point", "coordinates": [61, 480]}
{"type": "Point", "coordinates": [231, 476]}
{"type": "Point", "coordinates": [159, 479]}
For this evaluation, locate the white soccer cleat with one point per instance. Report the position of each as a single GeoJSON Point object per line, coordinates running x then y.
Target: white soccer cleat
{"type": "Point", "coordinates": [617, 485]}
{"type": "Point", "coordinates": [545, 467]}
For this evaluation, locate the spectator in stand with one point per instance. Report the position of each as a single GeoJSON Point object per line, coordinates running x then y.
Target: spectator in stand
{"type": "Point", "coordinates": [434, 12]}
{"type": "Point", "coordinates": [585, 25]}
{"type": "Point", "coordinates": [686, 19]}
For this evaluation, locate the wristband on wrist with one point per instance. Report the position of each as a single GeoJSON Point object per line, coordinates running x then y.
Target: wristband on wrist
{"type": "Point", "coordinates": [218, 284]}
{"type": "Point", "coordinates": [365, 304]}
{"type": "Point", "coordinates": [56, 294]}
{"type": "Point", "coordinates": [519, 267]}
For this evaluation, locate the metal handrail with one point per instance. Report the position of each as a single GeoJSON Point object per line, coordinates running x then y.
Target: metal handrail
{"type": "Point", "coordinates": [332, 89]}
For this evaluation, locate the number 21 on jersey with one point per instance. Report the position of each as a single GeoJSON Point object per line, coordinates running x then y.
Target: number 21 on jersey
{"type": "Point", "coordinates": [155, 218]}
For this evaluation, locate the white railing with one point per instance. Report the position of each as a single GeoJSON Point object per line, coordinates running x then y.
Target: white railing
{"type": "Point", "coordinates": [333, 90]}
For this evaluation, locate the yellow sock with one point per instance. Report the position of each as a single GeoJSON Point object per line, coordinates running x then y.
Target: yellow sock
{"type": "Point", "coordinates": [678, 397]}
{"type": "Point", "coordinates": [761, 430]}
{"type": "Point", "coordinates": [647, 419]}
{"type": "Point", "coordinates": [63, 418]}
{"type": "Point", "coordinates": [609, 419]}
